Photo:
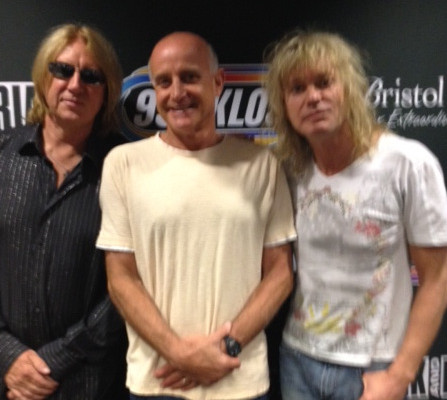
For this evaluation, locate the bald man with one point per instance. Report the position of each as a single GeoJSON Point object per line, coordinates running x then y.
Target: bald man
{"type": "Point", "coordinates": [196, 228]}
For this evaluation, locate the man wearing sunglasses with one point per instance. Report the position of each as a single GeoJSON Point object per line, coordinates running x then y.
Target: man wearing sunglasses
{"type": "Point", "coordinates": [60, 336]}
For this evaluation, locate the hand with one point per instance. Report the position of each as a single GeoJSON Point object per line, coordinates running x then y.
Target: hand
{"type": "Point", "coordinates": [201, 360]}
{"type": "Point", "coordinates": [28, 378]}
{"type": "Point", "coordinates": [174, 378]}
{"type": "Point", "coordinates": [382, 385]}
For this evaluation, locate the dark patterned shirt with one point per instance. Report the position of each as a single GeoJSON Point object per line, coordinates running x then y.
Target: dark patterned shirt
{"type": "Point", "coordinates": [53, 294]}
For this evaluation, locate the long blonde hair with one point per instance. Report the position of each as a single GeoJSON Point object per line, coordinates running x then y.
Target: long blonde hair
{"type": "Point", "coordinates": [104, 54]}
{"type": "Point", "coordinates": [299, 50]}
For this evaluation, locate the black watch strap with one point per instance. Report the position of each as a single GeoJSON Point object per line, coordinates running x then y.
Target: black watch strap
{"type": "Point", "coordinates": [232, 346]}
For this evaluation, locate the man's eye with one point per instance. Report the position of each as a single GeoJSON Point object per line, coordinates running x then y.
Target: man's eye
{"type": "Point", "coordinates": [297, 88]}
{"type": "Point", "coordinates": [323, 83]}
{"type": "Point", "coordinates": [189, 78]}
{"type": "Point", "coordinates": [162, 83]}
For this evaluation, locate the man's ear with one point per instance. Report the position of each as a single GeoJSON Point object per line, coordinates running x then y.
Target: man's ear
{"type": "Point", "coordinates": [219, 81]}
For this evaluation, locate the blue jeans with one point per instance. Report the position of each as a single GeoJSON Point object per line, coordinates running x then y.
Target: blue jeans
{"type": "Point", "coordinates": [304, 378]}
{"type": "Point", "coordinates": [135, 397]}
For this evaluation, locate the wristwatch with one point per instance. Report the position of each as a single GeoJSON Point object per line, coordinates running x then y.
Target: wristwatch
{"type": "Point", "coordinates": [232, 346]}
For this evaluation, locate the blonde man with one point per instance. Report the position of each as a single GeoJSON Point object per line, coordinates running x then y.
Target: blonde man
{"type": "Point", "coordinates": [60, 336]}
{"type": "Point", "coordinates": [366, 203]}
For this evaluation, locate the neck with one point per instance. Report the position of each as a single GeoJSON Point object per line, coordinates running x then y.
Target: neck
{"type": "Point", "coordinates": [194, 141]}
{"type": "Point", "coordinates": [63, 148]}
{"type": "Point", "coordinates": [56, 136]}
{"type": "Point", "coordinates": [333, 154]}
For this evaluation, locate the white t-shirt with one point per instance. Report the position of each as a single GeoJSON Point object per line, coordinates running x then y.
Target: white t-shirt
{"type": "Point", "coordinates": [354, 285]}
{"type": "Point", "coordinates": [197, 222]}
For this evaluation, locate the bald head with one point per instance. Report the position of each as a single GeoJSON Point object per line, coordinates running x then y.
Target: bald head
{"type": "Point", "coordinates": [185, 43]}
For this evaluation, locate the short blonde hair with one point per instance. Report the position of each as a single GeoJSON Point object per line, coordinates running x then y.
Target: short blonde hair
{"type": "Point", "coordinates": [300, 50]}
{"type": "Point", "coordinates": [104, 55]}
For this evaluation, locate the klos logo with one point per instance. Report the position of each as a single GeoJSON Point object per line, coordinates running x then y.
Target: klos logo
{"type": "Point", "coordinates": [240, 109]}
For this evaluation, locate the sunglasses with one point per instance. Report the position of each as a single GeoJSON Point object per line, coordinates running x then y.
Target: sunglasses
{"type": "Point", "coordinates": [65, 71]}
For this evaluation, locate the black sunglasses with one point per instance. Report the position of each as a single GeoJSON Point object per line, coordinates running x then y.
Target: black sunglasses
{"type": "Point", "coordinates": [65, 71]}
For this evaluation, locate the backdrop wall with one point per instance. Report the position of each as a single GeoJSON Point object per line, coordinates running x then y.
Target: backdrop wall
{"type": "Point", "coordinates": [405, 41]}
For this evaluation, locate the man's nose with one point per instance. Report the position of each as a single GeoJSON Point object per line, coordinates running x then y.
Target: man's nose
{"type": "Point", "coordinates": [313, 93]}
{"type": "Point", "coordinates": [75, 81]}
{"type": "Point", "coordinates": [178, 88]}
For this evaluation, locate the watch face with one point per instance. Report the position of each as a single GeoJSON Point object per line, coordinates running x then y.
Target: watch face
{"type": "Point", "coordinates": [232, 346]}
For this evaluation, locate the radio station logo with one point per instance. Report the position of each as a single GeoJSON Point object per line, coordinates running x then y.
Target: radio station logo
{"type": "Point", "coordinates": [240, 109]}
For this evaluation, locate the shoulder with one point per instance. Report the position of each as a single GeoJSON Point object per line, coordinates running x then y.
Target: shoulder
{"type": "Point", "coordinates": [404, 149]}
{"type": "Point", "coordinates": [126, 153]}
{"type": "Point", "coordinates": [16, 137]}
{"type": "Point", "coordinates": [133, 147]}
{"type": "Point", "coordinates": [5, 136]}
{"type": "Point", "coordinates": [239, 146]}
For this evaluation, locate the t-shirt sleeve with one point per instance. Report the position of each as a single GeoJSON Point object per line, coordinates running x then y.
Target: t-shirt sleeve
{"type": "Point", "coordinates": [425, 201]}
{"type": "Point", "coordinates": [115, 233]}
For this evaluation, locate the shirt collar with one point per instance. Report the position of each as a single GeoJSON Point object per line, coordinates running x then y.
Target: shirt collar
{"type": "Point", "coordinates": [30, 143]}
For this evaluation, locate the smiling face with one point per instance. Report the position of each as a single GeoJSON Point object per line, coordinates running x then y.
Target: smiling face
{"type": "Point", "coordinates": [186, 85]}
{"type": "Point", "coordinates": [72, 103]}
{"type": "Point", "coordinates": [314, 104]}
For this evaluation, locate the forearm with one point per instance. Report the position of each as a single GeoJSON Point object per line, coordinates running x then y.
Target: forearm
{"type": "Point", "coordinates": [19, 365]}
{"type": "Point", "coordinates": [142, 314]}
{"type": "Point", "coordinates": [10, 350]}
{"type": "Point", "coordinates": [423, 325]}
{"type": "Point", "coordinates": [136, 305]}
{"type": "Point", "coordinates": [265, 301]}
{"type": "Point", "coordinates": [199, 357]}
{"type": "Point", "coordinates": [426, 313]}
{"type": "Point", "coordinates": [89, 340]}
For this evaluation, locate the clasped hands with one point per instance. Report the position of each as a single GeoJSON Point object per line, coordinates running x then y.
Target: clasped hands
{"type": "Point", "coordinates": [199, 360]}
{"type": "Point", "coordinates": [29, 378]}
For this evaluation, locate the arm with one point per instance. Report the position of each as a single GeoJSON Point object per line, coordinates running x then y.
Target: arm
{"type": "Point", "coordinates": [199, 358]}
{"type": "Point", "coordinates": [97, 332]}
{"type": "Point", "coordinates": [272, 291]}
{"type": "Point", "coordinates": [262, 305]}
{"type": "Point", "coordinates": [425, 319]}
{"type": "Point", "coordinates": [90, 340]}
{"type": "Point", "coordinates": [23, 372]}
{"type": "Point", "coordinates": [29, 378]}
